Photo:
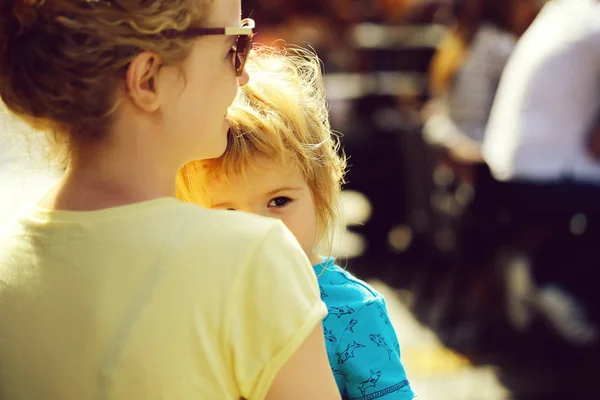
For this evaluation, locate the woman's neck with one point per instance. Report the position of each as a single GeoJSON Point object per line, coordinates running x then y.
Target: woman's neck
{"type": "Point", "coordinates": [102, 177]}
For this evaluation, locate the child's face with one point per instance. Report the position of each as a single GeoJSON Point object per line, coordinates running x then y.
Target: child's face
{"type": "Point", "coordinates": [272, 191]}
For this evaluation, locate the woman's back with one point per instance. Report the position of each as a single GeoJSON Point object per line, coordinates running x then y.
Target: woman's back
{"type": "Point", "coordinates": [121, 292]}
{"type": "Point", "coordinates": [151, 300]}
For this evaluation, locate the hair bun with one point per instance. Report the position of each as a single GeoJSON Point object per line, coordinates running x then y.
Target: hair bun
{"type": "Point", "coordinates": [26, 13]}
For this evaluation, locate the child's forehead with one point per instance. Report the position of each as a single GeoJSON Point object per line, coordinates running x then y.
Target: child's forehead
{"type": "Point", "coordinates": [261, 171]}
{"type": "Point", "coordinates": [269, 171]}
{"type": "Point", "coordinates": [262, 163]}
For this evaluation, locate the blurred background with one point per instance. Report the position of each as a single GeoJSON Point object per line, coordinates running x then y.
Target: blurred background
{"type": "Point", "coordinates": [426, 222]}
{"type": "Point", "coordinates": [425, 218]}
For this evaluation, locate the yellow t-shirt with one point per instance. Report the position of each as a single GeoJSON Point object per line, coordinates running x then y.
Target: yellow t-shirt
{"type": "Point", "coordinates": [156, 300]}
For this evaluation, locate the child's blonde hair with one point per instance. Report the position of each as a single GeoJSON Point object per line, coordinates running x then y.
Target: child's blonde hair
{"type": "Point", "coordinates": [281, 114]}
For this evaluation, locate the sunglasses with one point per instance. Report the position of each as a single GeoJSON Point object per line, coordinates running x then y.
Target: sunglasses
{"type": "Point", "coordinates": [243, 43]}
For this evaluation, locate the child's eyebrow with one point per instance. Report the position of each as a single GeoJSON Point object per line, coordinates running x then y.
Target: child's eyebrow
{"type": "Point", "coordinates": [221, 205]}
{"type": "Point", "coordinates": [283, 189]}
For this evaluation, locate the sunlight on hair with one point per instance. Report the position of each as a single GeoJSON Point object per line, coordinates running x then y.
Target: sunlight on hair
{"type": "Point", "coordinates": [281, 114]}
{"type": "Point", "coordinates": [25, 170]}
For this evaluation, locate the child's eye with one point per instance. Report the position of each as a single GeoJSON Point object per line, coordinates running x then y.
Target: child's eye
{"type": "Point", "coordinates": [279, 202]}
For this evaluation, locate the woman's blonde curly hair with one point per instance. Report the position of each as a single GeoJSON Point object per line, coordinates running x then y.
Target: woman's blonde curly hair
{"type": "Point", "coordinates": [61, 61]}
{"type": "Point", "coordinates": [281, 114]}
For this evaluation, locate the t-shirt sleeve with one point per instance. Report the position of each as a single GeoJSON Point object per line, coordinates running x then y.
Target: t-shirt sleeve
{"type": "Point", "coordinates": [274, 305]}
{"type": "Point", "coordinates": [368, 357]}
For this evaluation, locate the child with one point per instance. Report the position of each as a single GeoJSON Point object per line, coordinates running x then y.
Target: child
{"type": "Point", "coordinates": [282, 161]}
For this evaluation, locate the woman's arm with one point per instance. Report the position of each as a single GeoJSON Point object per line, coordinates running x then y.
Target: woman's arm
{"type": "Point", "coordinates": [273, 325]}
{"type": "Point", "coordinates": [440, 130]}
{"type": "Point", "coordinates": [307, 374]}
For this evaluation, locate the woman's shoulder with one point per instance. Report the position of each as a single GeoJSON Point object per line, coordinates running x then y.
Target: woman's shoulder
{"type": "Point", "coordinates": [232, 225]}
{"type": "Point", "coordinates": [223, 229]}
{"type": "Point", "coordinates": [225, 246]}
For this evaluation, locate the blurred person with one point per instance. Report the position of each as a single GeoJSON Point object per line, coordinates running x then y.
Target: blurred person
{"type": "Point", "coordinates": [421, 11]}
{"type": "Point", "coordinates": [109, 286]}
{"type": "Point", "coordinates": [537, 145]}
{"type": "Point", "coordinates": [283, 162]}
{"type": "Point", "coordinates": [464, 75]}
{"type": "Point", "coordinates": [313, 24]}
{"type": "Point", "coordinates": [548, 99]}
{"type": "Point", "coordinates": [466, 69]}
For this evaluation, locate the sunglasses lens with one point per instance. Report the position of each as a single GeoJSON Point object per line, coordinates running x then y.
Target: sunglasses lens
{"type": "Point", "coordinates": [244, 45]}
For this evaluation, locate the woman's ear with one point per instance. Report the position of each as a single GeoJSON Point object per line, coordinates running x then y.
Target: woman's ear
{"type": "Point", "coordinates": [141, 77]}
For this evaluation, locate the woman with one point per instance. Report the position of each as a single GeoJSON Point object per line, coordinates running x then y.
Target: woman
{"type": "Point", "coordinates": [109, 287]}
{"type": "Point", "coordinates": [466, 69]}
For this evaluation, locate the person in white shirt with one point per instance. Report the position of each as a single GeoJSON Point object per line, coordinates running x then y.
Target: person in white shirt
{"type": "Point", "coordinates": [465, 71]}
{"type": "Point", "coordinates": [548, 99]}
{"type": "Point", "coordinates": [539, 145]}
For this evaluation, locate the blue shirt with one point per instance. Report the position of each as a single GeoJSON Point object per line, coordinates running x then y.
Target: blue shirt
{"type": "Point", "coordinates": [363, 349]}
